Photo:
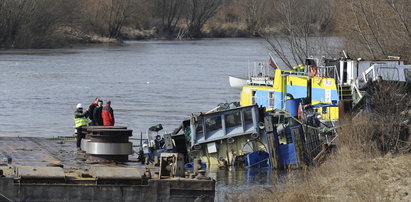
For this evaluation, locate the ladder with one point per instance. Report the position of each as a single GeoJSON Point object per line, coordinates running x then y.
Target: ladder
{"type": "Point", "coordinates": [345, 92]}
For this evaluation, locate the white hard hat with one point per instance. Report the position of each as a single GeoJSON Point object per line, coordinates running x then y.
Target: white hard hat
{"type": "Point", "coordinates": [79, 106]}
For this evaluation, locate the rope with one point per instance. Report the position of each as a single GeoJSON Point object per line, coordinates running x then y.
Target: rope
{"type": "Point", "coordinates": [5, 197]}
{"type": "Point", "coordinates": [61, 138]}
{"type": "Point", "coordinates": [257, 163]}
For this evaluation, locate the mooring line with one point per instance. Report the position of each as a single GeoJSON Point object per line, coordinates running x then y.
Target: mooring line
{"type": "Point", "coordinates": [6, 197]}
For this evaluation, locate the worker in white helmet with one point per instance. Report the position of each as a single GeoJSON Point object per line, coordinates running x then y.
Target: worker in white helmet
{"type": "Point", "coordinates": [80, 119]}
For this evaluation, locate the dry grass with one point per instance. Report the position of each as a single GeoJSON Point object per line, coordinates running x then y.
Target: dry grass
{"type": "Point", "coordinates": [371, 163]}
{"type": "Point", "coordinates": [218, 30]}
{"type": "Point", "coordinates": [74, 35]}
{"type": "Point", "coordinates": [129, 33]}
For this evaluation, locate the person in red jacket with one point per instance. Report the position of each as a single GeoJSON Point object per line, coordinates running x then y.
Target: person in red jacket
{"type": "Point", "coordinates": [108, 115]}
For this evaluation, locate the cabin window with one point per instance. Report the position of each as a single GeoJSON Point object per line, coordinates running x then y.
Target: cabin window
{"type": "Point", "coordinates": [213, 123]}
{"type": "Point", "coordinates": [389, 73]}
{"type": "Point", "coordinates": [324, 110]}
{"type": "Point", "coordinates": [199, 126]}
{"type": "Point", "coordinates": [248, 117]}
{"type": "Point", "coordinates": [270, 99]}
{"type": "Point", "coordinates": [232, 120]}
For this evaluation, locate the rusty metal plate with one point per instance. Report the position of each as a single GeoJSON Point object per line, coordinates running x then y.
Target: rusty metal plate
{"type": "Point", "coordinates": [40, 172]}
{"type": "Point", "coordinates": [26, 150]}
{"type": "Point", "coordinates": [116, 173]}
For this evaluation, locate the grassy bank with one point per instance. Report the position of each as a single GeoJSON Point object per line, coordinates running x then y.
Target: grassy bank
{"type": "Point", "coordinates": [65, 36]}
{"type": "Point", "coordinates": [346, 176]}
{"type": "Point", "coordinates": [371, 162]}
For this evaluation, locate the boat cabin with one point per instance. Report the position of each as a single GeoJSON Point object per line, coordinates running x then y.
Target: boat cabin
{"type": "Point", "coordinates": [348, 70]}
{"type": "Point", "coordinates": [218, 138]}
{"type": "Point", "coordinates": [289, 85]}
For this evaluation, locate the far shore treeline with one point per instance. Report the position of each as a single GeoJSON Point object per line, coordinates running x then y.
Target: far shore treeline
{"type": "Point", "coordinates": [370, 28]}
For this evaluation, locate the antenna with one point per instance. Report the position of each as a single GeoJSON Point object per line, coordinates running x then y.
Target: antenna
{"type": "Point", "coordinates": [141, 140]}
{"type": "Point", "coordinates": [248, 68]}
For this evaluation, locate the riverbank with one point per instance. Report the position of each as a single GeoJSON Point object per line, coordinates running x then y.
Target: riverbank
{"type": "Point", "coordinates": [67, 36]}
{"type": "Point", "coordinates": [344, 177]}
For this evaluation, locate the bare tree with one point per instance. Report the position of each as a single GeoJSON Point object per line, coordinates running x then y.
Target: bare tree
{"type": "Point", "coordinates": [198, 13]}
{"type": "Point", "coordinates": [107, 17]}
{"type": "Point", "coordinates": [378, 27]}
{"type": "Point", "coordinates": [13, 14]}
{"type": "Point", "coordinates": [28, 24]}
{"type": "Point", "coordinates": [170, 13]}
{"type": "Point", "coordinates": [402, 11]}
{"type": "Point", "coordinates": [298, 22]}
{"type": "Point", "coordinates": [255, 13]}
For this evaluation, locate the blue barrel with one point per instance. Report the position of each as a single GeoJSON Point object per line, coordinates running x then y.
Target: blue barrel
{"type": "Point", "coordinates": [257, 159]}
{"type": "Point", "coordinates": [291, 106]}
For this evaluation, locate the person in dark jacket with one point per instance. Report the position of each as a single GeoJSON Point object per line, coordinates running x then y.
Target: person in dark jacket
{"type": "Point", "coordinates": [80, 119]}
{"type": "Point", "coordinates": [91, 108]}
{"type": "Point", "coordinates": [108, 115]}
{"type": "Point", "coordinates": [98, 120]}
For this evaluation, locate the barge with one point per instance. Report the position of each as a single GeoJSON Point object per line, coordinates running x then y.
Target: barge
{"type": "Point", "coordinates": [40, 169]}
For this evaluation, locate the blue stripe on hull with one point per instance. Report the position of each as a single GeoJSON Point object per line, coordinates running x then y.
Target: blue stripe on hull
{"type": "Point", "coordinates": [278, 100]}
{"type": "Point", "coordinates": [261, 98]}
{"type": "Point", "coordinates": [318, 94]}
{"type": "Point", "coordinates": [297, 91]}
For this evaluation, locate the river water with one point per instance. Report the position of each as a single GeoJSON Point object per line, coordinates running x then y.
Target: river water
{"type": "Point", "coordinates": [148, 82]}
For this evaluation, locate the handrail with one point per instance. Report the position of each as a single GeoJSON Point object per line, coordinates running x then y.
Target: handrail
{"type": "Point", "coordinates": [357, 90]}
{"type": "Point", "coordinates": [338, 76]}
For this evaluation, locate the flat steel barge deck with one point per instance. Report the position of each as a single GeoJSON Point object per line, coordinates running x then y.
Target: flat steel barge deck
{"type": "Point", "coordinates": [39, 169]}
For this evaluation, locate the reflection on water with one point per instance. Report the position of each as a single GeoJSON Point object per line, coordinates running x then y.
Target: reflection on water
{"type": "Point", "coordinates": [239, 177]}
{"type": "Point", "coordinates": [241, 180]}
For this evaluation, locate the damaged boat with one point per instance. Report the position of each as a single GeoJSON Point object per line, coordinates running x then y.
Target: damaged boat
{"type": "Point", "coordinates": [282, 120]}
